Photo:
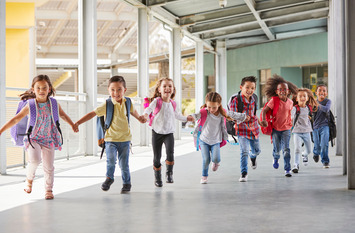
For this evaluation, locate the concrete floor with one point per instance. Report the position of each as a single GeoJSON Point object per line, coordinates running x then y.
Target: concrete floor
{"type": "Point", "coordinates": [315, 200]}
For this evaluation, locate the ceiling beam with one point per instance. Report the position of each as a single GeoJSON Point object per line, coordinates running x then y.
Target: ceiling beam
{"type": "Point", "coordinates": [251, 4]}
{"type": "Point", "coordinates": [230, 32]}
{"type": "Point", "coordinates": [69, 49]}
{"type": "Point", "coordinates": [159, 2]}
{"type": "Point", "coordinates": [296, 18]}
{"type": "Point", "coordinates": [298, 33]}
{"type": "Point", "coordinates": [128, 34]}
{"type": "Point", "coordinates": [62, 15]}
{"type": "Point", "coordinates": [279, 4]}
{"type": "Point", "coordinates": [246, 41]}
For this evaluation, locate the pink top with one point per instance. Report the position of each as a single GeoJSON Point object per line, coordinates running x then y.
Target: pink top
{"type": "Point", "coordinates": [283, 116]}
{"type": "Point", "coordinates": [45, 133]}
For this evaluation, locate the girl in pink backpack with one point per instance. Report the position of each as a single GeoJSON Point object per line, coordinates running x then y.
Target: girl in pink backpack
{"type": "Point", "coordinates": [211, 132]}
{"type": "Point", "coordinates": [43, 135]}
{"type": "Point", "coordinates": [161, 112]}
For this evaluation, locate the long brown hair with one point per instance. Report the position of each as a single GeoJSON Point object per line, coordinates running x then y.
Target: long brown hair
{"type": "Point", "coordinates": [29, 94]}
{"type": "Point", "coordinates": [215, 97]}
{"type": "Point", "coordinates": [157, 86]}
{"type": "Point", "coordinates": [311, 100]}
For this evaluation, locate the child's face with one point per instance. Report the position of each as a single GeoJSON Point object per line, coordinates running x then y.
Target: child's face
{"type": "Point", "coordinates": [41, 90]}
{"type": "Point", "coordinates": [322, 93]}
{"type": "Point", "coordinates": [248, 89]}
{"type": "Point", "coordinates": [212, 107]}
{"type": "Point", "coordinates": [166, 89]}
{"type": "Point", "coordinates": [117, 91]}
{"type": "Point", "coordinates": [302, 98]}
{"type": "Point", "coordinates": [282, 91]}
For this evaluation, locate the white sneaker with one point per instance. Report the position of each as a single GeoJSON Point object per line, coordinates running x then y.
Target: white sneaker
{"type": "Point", "coordinates": [243, 178]}
{"type": "Point", "coordinates": [204, 180]}
{"type": "Point", "coordinates": [305, 160]}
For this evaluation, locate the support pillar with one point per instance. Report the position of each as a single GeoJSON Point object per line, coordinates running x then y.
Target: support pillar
{"type": "Point", "coordinates": [221, 71]}
{"type": "Point", "coordinates": [175, 72]}
{"type": "Point", "coordinates": [199, 77]}
{"type": "Point", "coordinates": [143, 66]}
{"type": "Point", "coordinates": [87, 22]}
{"type": "Point", "coordinates": [2, 86]}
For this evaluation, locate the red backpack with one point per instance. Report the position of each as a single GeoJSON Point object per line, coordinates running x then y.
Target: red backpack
{"type": "Point", "coordinates": [270, 116]}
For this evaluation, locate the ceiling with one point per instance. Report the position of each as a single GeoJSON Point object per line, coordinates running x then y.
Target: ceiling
{"type": "Point", "coordinates": [239, 22]}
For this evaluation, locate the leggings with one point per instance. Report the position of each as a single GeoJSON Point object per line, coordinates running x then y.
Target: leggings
{"type": "Point", "coordinates": [157, 144]}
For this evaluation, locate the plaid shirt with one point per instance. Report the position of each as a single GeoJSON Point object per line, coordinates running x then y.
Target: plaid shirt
{"type": "Point", "coordinates": [248, 129]}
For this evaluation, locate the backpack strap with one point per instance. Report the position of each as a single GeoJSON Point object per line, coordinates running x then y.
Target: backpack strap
{"type": "Point", "coordinates": [298, 111]}
{"type": "Point", "coordinates": [55, 115]}
{"type": "Point", "coordinates": [109, 114]}
{"type": "Point", "coordinates": [128, 108]}
{"type": "Point", "coordinates": [158, 106]}
{"type": "Point", "coordinates": [32, 104]}
{"type": "Point", "coordinates": [202, 121]}
{"type": "Point", "coordinates": [255, 103]}
{"type": "Point", "coordinates": [173, 103]}
{"type": "Point", "coordinates": [240, 104]}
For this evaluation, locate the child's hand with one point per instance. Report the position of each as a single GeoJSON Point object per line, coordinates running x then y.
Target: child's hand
{"type": "Point", "coordinates": [190, 118]}
{"type": "Point", "coordinates": [146, 116]}
{"type": "Point", "coordinates": [142, 119]}
{"type": "Point", "coordinates": [263, 123]}
{"type": "Point", "coordinates": [247, 118]}
{"type": "Point", "coordinates": [75, 127]}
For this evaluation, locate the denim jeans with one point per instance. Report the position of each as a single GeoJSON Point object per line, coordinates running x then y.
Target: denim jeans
{"type": "Point", "coordinates": [206, 156]}
{"type": "Point", "coordinates": [281, 141]}
{"type": "Point", "coordinates": [120, 150]}
{"type": "Point", "coordinates": [248, 147]}
{"type": "Point", "coordinates": [321, 143]}
{"type": "Point", "coordinates": [298, 138]}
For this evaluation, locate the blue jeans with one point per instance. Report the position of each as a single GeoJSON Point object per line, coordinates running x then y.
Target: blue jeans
{"type": "Point", "coordinates": [206, 157]}
{"type": "Point", "coordinates": [120, 150]}
{"type": "Point", "coordinates": [248, 147]}
{"type": "Point", "coordinates": [321, 143]}
{"type": "Point", "coordinates": [298, 138]}
{"type": "Point", "coordinates": [281, 141]}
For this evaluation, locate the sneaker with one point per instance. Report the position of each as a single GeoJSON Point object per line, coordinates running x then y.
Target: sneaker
{"type": "Point", "coordinates": [288, 173]}
{"type": "Point", "coordinates": [215, 166]}
{"type": "Point", "coordinates": [316, 158]}
{"type": "Point", "coordinates": [305, 160]}
{"type": "Point", "coordinates": [243, 177]}
{"type": "Point", "coordinates": [106, 185]}
{"type": "Point", "coordinates": [295, 169]}
{"type": "Point", "coordinates": [276, 164]}
{"type": "Point", "coordinates": [204, 180]}
{"type": "Point", "coordinates": [326, 165]}
{"type": "Point", "coordinates": [126, 188]}
{"type": "Point", "coordinates": [253, 163]}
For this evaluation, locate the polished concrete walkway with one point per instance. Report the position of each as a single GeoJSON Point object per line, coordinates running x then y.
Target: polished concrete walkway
{"type": "Point", "coordinates": [315, 200]}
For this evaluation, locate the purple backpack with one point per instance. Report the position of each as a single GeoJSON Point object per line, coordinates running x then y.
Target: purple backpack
{"type": "Point", "coordinates": [25, 126]}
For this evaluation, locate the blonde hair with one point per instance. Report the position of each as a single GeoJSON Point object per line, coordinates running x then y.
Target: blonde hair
{"type": "Point", "coordinates": [157, 86]}
{"type": "Point", "coordinates": [216, 98]}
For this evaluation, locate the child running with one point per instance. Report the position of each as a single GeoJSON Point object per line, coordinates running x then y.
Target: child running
{"type": "Point", "coordinates": [164, 112]}
{"type": "Point", "coordinates": [278, 90]}
{"type": "Point", "coordinates": [248, 132]}
{"type": "Point", "coordinates": [320, 126]}
{"type": "Point", "coordinates": [301, 114]}
{"type": "Point", "coordinates": [118, 135]}
{"type": "Point", "coordinates": [45, 137]}
{"type": "Point", "coordinates": [213, 132]}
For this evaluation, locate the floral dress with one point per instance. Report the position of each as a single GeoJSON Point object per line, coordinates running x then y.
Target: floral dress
{"type": "Point", "coordinates": [45, 132]}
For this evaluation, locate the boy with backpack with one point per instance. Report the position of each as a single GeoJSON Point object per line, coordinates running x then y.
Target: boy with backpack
{"type": "Point", "coordinates": [321, 126]}
{"type": "Point", "coordinates": [117, 138]}
{"type": "Point", "coordinates": [247, 132]}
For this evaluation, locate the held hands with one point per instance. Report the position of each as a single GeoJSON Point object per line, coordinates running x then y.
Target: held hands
{"type": "Point", "coordinates": [142, 119]}
{"type": "Point", "coordinates": [263, 123]}
{"type": "Point", "coordinates": [75, 127]}
{"type": "Point", "coordinates": [190, 118]}
{"type": "Point", "coordinates": [247, 118]}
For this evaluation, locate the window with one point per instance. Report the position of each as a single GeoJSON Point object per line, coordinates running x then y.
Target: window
{"type": "Point", "coordinates": [314, 75]}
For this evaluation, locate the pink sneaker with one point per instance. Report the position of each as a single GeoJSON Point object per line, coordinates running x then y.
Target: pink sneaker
{"type": "Point", "coordinates": [215, 166]}
{"type": "Point", "coordinates": [204, 180]}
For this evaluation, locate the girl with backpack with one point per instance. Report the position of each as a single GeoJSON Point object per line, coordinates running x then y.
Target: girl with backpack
{"type": "Point", "coordinates": [45, 137]}
{"type": "Point", "coordinates": [211, 133]}
{"type": "Point", "coordinates": [278, 90]}
{"type": "Point", "coordinates": [161, 112]}
{"type": "Point", "coordinates": [301, 114]}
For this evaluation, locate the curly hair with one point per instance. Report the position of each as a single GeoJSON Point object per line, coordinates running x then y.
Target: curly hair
{"type": "Point", "coordinates": [273, 82]}
{"type": "Point", "coordinates": [215, 97]}
{"type": "Point", "coordinates": [29, 94]}
{"type": "Point", "coordinates": [157, 86]}
{"type": "Point", "coordinates": [311, 99]}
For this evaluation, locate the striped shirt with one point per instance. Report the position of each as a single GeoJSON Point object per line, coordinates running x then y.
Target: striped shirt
{"type": "Point", "coordinates": [248, 129]}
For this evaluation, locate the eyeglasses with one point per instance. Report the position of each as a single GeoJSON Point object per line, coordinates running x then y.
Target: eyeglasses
{"type": "Point", "coordinates": [282, 89]}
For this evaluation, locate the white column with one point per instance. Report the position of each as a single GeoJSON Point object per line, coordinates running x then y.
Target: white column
{"type": "Point", "coordinates": [221, 71]}
{"type": "Point", "coordinates": [350, 93]}
{"type": "Point", "coordinates": [199, 77]}
{"type": "Point", "coordinates": [88, 66]}
{"type": "Point", "coordinates": [113, 58]}
{"type": "Point", "coordinates": [2, 86]}
{"type": "Point", "coordinates": [175, 72]}
{"type": "Point", "coordinates": [143, 66]}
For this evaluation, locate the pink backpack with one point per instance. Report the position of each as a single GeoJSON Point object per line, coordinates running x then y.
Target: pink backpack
{"type": "Point", "coordinates": [157, 108]}
{"type": "Point", "coordinates": [201, 122]}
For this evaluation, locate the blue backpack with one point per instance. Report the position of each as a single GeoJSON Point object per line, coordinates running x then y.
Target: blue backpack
{"type": "Point", "coordinates": [104, 124]}
{"type": "Point", "coordinates": [27, 124]}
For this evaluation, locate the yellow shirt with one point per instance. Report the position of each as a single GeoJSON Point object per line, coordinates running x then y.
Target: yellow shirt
{"type": "Point", "coordinates": [119, 130]}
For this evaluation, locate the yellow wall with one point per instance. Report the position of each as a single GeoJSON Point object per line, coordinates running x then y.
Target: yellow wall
{"type": "Point", "coordinates": [20, 17]}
